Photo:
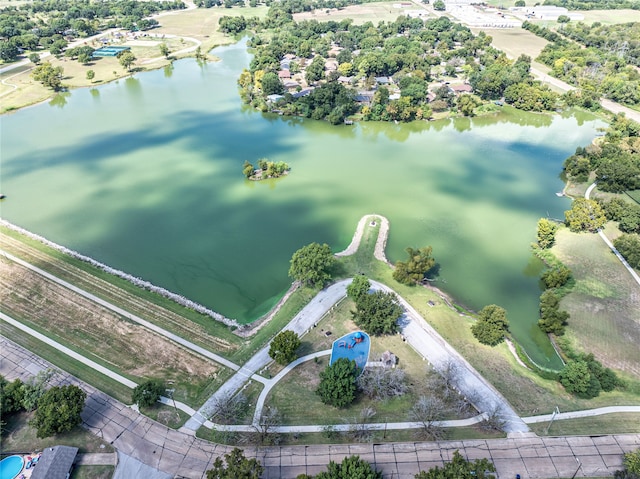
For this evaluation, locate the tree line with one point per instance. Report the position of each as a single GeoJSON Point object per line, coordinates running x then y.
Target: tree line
{"type": "Point", "coordinates": [600, 60]}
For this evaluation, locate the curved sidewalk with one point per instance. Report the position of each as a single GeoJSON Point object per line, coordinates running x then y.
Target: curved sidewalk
{"type": "Point", "coordinates": [183, 455]}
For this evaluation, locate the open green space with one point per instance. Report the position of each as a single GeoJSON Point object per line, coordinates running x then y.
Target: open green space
{"type": "Point", "coordinates": [20, 437]}
{"type": "Point", "coordinates": [92, 472]}
{"type": "Point", "coordinates": [166, 415]}
{"type": "Point", "coordinates": [84, 373]}
{"type": "Point", "coordinates": [604, 304]}
{"type": "Point", "coordinates": [617, 423]}
{"type": "Point", "coordinates": [367, 12]}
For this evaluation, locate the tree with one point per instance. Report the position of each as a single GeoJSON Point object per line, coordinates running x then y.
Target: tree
{"type": "Point", "coordinates": [576, 377]}
{"type": "Point", "coordinates": [491, 326]}
{"type": "Point", "coordinates": [519, 3]}
{"type": "Point", "coordinates": [34, 58]}
{"type": "Point", "coordinates": [629, 246]}
{"type": "Point", "coordinates": [631, 466]}
{"type": "Point", "coordinates": [358, 287]}
{"type": "Point", "coordinates": [311, 264]}
{"type": "Point", "coordinates": [546, 233]}
{"type": "Point", "coordinates": [315, 71]}
{"type": "Point", "coordinates": [229, 409]}
{"type": "Point", "coordinates": [552, 319]}
{"type": "Point", "coordinates": [338, 383]}
{"type": "Point", "coordinates": [416, 267]}
{"type": "Point", "coordinates": [8, 51]}
{"type": "Point", "coordinates": [48, 75]}
{"type": "Point", "coordinates": [585, 215]}
{"type": "Point", "coordinates": [126, 58]}
{"type": "Point", "coordinates": [383, 383]}
{"type": "Point", "coordinates": [164, 50]}
{"type": "Point", "coordinates": [237, 467]}
{"type": "Point", "coordinates": [248, 169]}
{"type": "Point", "coordinates": [556, 277]}
{"type": "Point", "coordinates": [439, 5]}
{"type": "Point", "coordinates": [351, 467]}
{"type": "Point", "coordinates": [11, 396]}
{"type": "Point", "coordinates": [148, 393]}
{"type": "Point", "coordinates": [468, 103]}
{"type": "Point", "coordinates": [283, 347]}
{"type": "Point", "coordinates": [459, 468]}
{"type": "Point", "coordinates": [377, 313]}
{"type": "Point", "coordinates": [34, 388]}
{"type": "Point", "coordinates": [269, 419]}
{"type": "Point", "coordinates": [84, 58]}
{"type": "Point", "coordinates": [271, 84]}
{"type": "Point", "coordinates": [564, 19]}
{"type": "Point", "coordinates": [91, 74]}
{"type": "Point", "coordinates": [428, 411]}
{"type": "Point", "coordinates": [59, 410]}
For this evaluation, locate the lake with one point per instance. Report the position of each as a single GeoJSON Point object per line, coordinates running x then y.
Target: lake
{"type": "Point", "coordinates": [145, 174]}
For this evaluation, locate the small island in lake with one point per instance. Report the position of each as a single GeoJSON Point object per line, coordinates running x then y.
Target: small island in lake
{"type": "Point", "coordinates": [266, 169]}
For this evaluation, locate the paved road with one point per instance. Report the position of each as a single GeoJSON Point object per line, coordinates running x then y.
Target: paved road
{"type": "Point", "coordinates": [175, 453]}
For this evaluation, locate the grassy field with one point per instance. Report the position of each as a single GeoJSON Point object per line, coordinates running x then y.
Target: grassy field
{"type": "Point", "coordinates": [604, 304]}
{"type": "Point", "coordinates": [101, 335]}
{"type": "Point", "coordinates": [618, 423]}
{"type": "Point", "coordinates": [368, 12]}
{"type": "Point", "coordinates": [92, 472]}
{"type": "Point", "coordinates": [516, 41]}
{"type": "Point", "coordinates": [20, 437]}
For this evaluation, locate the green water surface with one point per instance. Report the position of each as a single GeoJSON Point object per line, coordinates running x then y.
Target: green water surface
{"type": "Point", "coordinates": [144, 174]}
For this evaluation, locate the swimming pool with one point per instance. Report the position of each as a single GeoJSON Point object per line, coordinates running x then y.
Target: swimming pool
{"type": "Point", "coordinates": [10, 467]}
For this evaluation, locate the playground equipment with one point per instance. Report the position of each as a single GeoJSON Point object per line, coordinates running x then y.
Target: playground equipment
{"type": "Point", "coordinates": [354, 347]}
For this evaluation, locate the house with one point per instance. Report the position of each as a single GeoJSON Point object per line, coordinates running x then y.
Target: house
{"type": "Point", "coordinates": [383, 81]}
{"type": "Point", "coordinates": [301, 93]}
{"type": "Point", "coordinates": [274, 98]}
{"type": "Point", "coordinates": [345, 80]}
{"type": "Point", "coordinates": [284, 74]}
{"type": "Point", "coordinates": [289, 84]}
{"type": "Point", "coordinates": [364, 97]}
{"type": "Point", "coordinates": [394, 96]}
{"type": "Point", "coordinates": [55, 463]}
{"type": "Point", "coordinates": [462, 88]}
{"type": "Point", "coordinates": [331, 65]}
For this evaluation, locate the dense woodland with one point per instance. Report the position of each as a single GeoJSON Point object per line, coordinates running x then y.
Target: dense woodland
{"type": "Point", "coordinates": [341, 62]}
{"type": "Point", "coordinates": [46, 25]}
{"type": "Point", "coordinates": [594, 4]}
{"type": "Point", "coordinates": [599, 59]}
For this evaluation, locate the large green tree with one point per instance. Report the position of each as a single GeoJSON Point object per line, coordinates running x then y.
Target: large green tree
{"type": "Point", "coordinates": [283, 347]}
{"type": "Point", "coordinates": [59, 410]}
{"type": "Point", "coordinates": [351, 467]}
{"type": "Point", "coordinates": [576, 377]}
{"type": "Point", "coordinates": [629, 246]}
{"type": "Point", "coordinates": [338, 383]}
{"type": "Point", "coordinates": [459, 468]}
{"type": "Point", "coordinates": [237, 467]}
{"type": "Point", "coordinates": [148, 393]}
{"type": "Point", "coordinates": [416, 267]}
{"type": "Point", "coordinates": [377, 313]}
{"type": "Point", "coordinates": [126, 59]}
{"type": "Point", "coordinates": [491, 326]}
{"type": "Point", "coordinates": [311, 264]}
{"type": "Point", "coordinates": [585, 215]}
{"type": "Point", "coordinates": [358, 287]}
{"type": "Point", "coordinates": [48, 75]}
{"type": "Point", "coordinates": [552, 318]}
{"type": "Point", "coordinates": [546, 233]}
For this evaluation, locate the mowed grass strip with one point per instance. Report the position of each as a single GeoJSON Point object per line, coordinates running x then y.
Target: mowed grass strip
{"type": "Point", "coordinates": [195, 327]}
{"type": "Point", "coordinates": [604, 304]}
{"type": "Point", "coordinates": [93, 331]}
{"type": "Point", "coordinates": [616, 423]}
{"type": "Point", "coordinates": [86, 374]}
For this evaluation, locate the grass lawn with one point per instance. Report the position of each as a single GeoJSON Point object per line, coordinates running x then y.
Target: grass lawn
{"type": "Point", "coordinates": [166, 415]}
{"type": "Point", "coordinates": [618, 423]}
{"type": "Point", "coordinates": [516, 41]}
{"type": "Point", "coordinates": [20, 437]}
{"type": "Point", "coordinates": [92, 472]}
{"type": "Point", "coordinates": [368, 12]}
{"type": "Point", "coordinates": [84, 373]}
{"type": "Point", "coordinates": [604, 304]}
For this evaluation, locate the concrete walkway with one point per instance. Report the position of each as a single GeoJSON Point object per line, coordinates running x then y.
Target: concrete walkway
{"type": "Point", "coordinates": [175, 453]}
{"type": "Point", "coordinates": [632, 272]}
